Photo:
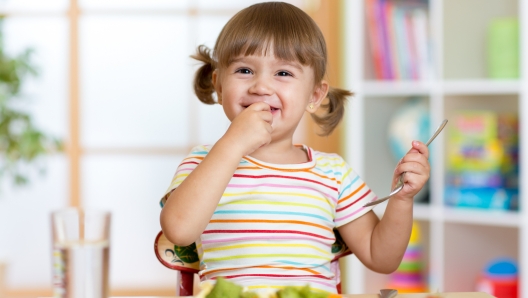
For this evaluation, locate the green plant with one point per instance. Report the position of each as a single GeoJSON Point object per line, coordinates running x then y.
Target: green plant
{"type": "Point", "coordinates": [21, 142]}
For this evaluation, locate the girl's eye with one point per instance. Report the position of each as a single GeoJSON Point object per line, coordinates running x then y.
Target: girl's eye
{"type": "Point", "coordinates": [243, 71]}
{"type": "Point", "coordinates": [283, 73]}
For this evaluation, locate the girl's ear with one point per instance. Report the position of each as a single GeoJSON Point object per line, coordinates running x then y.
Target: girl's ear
{"type": "Point", "coordinates": [318, 95]}
{"type": "Point", "coordinates": [217, 86]}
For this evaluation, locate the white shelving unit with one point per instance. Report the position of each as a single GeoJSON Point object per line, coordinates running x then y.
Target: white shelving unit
{"type": "Point", "coordinates": [457, 243]}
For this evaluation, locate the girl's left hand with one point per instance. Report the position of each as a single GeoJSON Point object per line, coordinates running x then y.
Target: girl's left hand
{"type": "Point", "coordinates": [415, 164]}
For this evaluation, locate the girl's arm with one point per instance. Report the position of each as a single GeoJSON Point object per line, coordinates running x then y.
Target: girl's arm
{"type": "Point", "coordinates": [190, 206]}
{"type": "Point", "coordinates": [380, 244]}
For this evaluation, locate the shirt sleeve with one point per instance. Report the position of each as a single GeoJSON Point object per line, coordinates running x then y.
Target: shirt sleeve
{"type": "Point", "coordinates": [353, 194]}
{"type": "Point", "coordinates": [187, 165]}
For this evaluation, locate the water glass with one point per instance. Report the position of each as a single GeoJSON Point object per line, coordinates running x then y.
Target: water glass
{"type": "Point", "coordinates": [81, 246]}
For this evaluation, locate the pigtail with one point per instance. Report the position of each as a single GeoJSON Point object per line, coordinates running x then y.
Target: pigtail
{"type": "Point", "coordinates": [203, 79]}
{"type": "Point", "coordinates": [335, 109]}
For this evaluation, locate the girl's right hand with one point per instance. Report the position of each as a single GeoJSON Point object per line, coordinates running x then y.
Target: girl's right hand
{"type": "Point", "coordinates": [251, 129]}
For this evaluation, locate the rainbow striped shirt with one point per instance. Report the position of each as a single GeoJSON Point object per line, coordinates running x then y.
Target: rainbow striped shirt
{"type": "Point", "coordinates": [274, 224]}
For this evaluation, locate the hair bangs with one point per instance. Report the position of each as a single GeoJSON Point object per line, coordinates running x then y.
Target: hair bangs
{"type": "Point", "coordinates": [281, 29]}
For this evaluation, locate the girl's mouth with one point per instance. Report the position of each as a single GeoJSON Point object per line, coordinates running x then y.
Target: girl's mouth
{"type": "Point", "coordinates": [272, 109]}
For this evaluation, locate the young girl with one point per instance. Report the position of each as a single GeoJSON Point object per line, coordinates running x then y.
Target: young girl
{"type": "Point", "coordinates": [262, 210]}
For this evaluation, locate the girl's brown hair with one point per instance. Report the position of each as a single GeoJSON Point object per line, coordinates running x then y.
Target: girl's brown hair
{"type": "Point", "coordinates": [291, 35]}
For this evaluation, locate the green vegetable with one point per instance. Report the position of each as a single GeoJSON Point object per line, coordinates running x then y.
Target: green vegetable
{"type": "Point", "coordinates": [296, 292]}
{"type": "Point", "coordinates": [289, 292]}
{"type": "Point", "coordinates": [225, 289]}
{"type": "Point", "coordinates": [248, 295]}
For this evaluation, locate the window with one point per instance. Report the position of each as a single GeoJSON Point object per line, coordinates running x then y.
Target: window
{"type": "Point", "coordinates": [115, 84]}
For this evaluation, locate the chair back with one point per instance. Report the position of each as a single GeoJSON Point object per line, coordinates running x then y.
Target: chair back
{"type": "Point", "coordinates": [183, 259]}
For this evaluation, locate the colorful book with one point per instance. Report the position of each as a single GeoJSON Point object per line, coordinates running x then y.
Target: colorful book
{"type": "Point", "coordinates": [412, 47]}
{"type": "Point", "coordinates": [401, 43]}
{"type": "Point", "coordinates": [420, 28]}
{"type": "Point", "coordinates": [392, 37]}
{"type": "Point", "coordinates": [375, 37]}
{"type": "Point", "coordinates": [473, 142]}
{"type": "Point", "coordinates": [386, 42]}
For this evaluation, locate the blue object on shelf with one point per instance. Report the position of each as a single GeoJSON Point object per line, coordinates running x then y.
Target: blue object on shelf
{"type": "Point", "coordinates": [485, 198]}
{"type": "Point", "coordinates": [502, 268]}
{"type": "Point", "coordinates": [475, 179]}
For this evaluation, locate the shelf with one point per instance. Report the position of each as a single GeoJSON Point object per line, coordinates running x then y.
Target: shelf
{"type": "Point", "coordinates": [482, 217]}
{"type": "Point", "coordinates": [396, 88]}
{"type": "Point", "coordinates": [450, 87]}
{"type": "Point", "coordinates": [421, 211]}
{"type": "Point", "coordinates": [483, 87]}
{"type": "Point", "coordinates": [462, 215]}
{"type": "Point", "coordinates": [459, 81]}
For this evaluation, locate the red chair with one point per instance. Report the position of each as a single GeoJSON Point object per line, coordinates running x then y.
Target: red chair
{"type": "Point", "coordinates": [185, 261]}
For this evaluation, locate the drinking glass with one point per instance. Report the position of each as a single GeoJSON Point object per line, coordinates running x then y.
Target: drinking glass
{"type": "Point", "coordinates": [81, 248]}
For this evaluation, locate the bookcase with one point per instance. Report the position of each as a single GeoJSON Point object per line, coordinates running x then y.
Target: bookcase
{"type": "Point", "coordinates": [457, 243]}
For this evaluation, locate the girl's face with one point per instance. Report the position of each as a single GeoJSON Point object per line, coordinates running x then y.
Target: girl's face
{"type": "Point", "coordinates": [288, 87]}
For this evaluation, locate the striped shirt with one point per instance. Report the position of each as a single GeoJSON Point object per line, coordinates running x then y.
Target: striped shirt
{"type": "Point", "coordinates": [274, 224]}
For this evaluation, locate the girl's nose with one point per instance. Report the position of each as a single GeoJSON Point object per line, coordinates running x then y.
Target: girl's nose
{"type": "Point", "coordinates": [261, 86]}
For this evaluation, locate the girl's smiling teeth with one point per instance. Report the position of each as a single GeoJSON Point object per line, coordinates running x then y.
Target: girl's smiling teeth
{"type": "Point", "coordinates": [272, 109]}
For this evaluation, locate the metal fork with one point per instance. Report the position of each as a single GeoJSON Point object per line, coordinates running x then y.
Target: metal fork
{"type": "Point", "coordinates": [399, 185]}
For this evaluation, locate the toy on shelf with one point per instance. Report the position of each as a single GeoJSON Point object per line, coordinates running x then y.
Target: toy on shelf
{"type": "Point", "coordinates": [482, 161]}
{"type": "Point", "coordinates": [503, 48]}
{"type": "Point", "coordinates": [410, 122]}
{"type": "Point", "coordinates": [499, 278]}
{"type": "Point", "coordinates": [408, 278]}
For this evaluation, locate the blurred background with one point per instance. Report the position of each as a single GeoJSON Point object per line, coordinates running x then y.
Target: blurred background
{"type": "Point", "coordinates": [114, 83]}
{"type": "Point", "coordinates": [105, 112]}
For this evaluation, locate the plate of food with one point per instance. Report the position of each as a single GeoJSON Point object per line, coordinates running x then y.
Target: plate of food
{"type": "Point", "coordinates": [223, 288]}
